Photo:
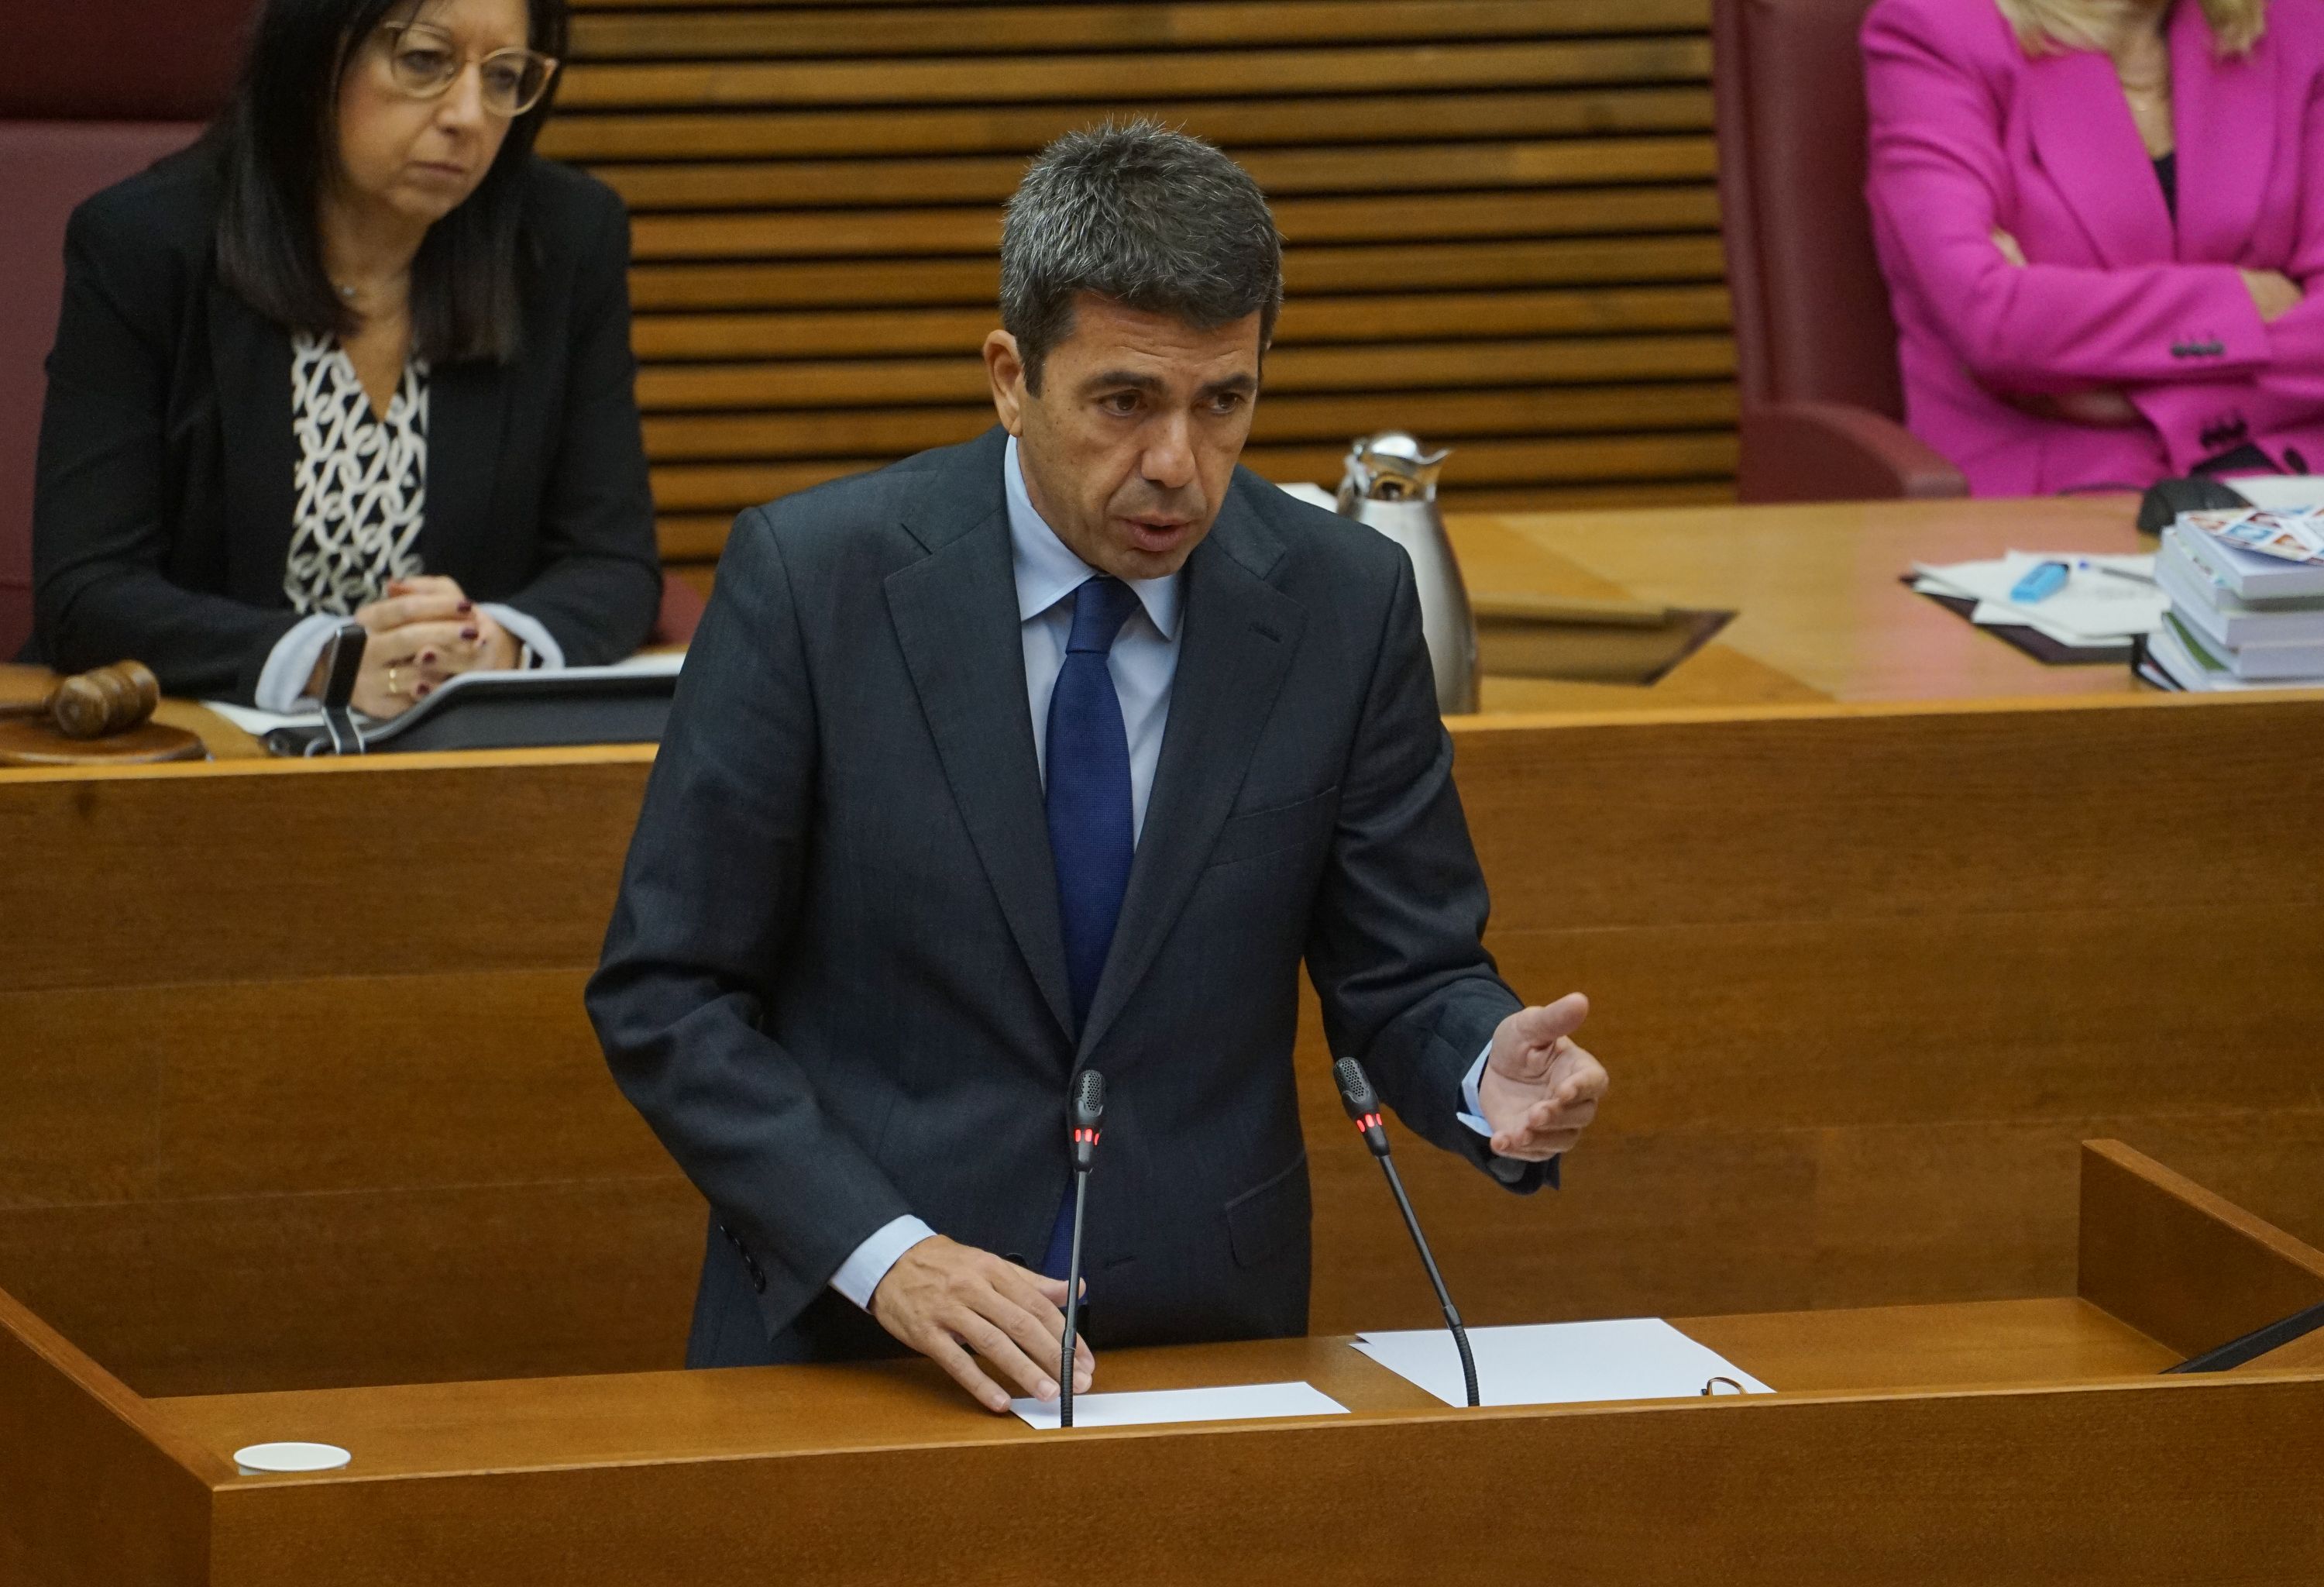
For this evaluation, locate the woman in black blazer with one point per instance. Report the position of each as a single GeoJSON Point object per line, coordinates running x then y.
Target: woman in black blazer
{"type": "Point", "coordinates": [357, 352]}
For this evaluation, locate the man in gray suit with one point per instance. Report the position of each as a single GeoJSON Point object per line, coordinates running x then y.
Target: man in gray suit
{"type": "Point", "coordinates": [1059, 750]}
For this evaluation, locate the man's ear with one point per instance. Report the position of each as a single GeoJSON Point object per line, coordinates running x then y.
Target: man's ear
{"type": "Point", "coordinates": [1006, 371]}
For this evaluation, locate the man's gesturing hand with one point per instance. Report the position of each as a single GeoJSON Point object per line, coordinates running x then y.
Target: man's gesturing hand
{"type": "Point", "coordinates": [1539, 1090]}
{"type": "Point", "coordinates": [944, 1300]}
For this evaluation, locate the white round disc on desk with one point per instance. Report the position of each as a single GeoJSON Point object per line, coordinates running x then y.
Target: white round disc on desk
{"type": "Point", "coordinates": [269, 1459]}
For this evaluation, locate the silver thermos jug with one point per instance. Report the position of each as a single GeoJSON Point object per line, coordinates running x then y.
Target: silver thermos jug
{"type": "Point", "coordinates": [1390, 484]}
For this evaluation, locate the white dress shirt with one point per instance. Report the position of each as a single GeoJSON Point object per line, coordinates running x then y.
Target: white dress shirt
{"type": "Point", "coordinates": [1143, 662]}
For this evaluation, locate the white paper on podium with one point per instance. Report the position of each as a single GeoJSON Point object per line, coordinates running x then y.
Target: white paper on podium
{"type": "Point", "coordinates": [1241, 1403]}
{"type": "Point", "coordinates": [1558, 1363]}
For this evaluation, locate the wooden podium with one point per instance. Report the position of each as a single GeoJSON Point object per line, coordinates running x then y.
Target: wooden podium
{"type": "Point", "coordinates": [1986, 1442]}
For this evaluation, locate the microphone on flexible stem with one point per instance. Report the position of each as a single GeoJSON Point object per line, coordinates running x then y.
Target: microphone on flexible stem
{"type": "Point", "coordinates": [1363, 1107]}
{"type": "Point", "coordinates": [1088, 1114]}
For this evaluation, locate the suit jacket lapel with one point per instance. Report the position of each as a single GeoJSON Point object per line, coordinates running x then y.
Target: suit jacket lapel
{"type": "Point", "coordinates": [2082, 126]}
{"type": "Point", "coordinates": [251, 358]}
{"type": "Point", "coordinates": [2225, 114]}
{"type": "Point", "coordinates": [955, 617]}
{"type": "Point", "coordinates": [1238, 637]}
{"type": "Point", "coordinates": [465, 409]}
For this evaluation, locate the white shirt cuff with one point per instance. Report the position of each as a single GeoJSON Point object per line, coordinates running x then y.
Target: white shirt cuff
{"type": "Point", "coordinates": [546, 654]}
{"type": "Point", "coordinates": [290, 664]}
{"type": "Point", "coordinates": [861, 1273]}
{"type": "Point", "coordinates": [1475, 1117]}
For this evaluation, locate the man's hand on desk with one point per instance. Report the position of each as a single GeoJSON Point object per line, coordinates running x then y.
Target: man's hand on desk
{"type": "Point", "coordinates": [945, 1299]}
{"type": "Point", "coordinates": [1539, 1089]}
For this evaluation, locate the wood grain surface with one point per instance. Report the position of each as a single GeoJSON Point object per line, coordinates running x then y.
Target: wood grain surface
{"type": "Point", "coordinates": [440, 1429]}
{"type": "Point", "coordinates": [2180, 1262]}
{"type": "Point", "coordinates": [96, 1487]}
{"type": "Point", "coordinates": [1542, 173]}
{"type": "Point", "coordinates": [1866, 976]}
{"type": "Point", "coordinates": [861, 1474]}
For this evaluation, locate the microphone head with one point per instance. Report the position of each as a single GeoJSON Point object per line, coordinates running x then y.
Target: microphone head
{"type": "Point", "coordinates": [1355, 1089]}
{"type": "Point", "coordinates": [1089, 1100]}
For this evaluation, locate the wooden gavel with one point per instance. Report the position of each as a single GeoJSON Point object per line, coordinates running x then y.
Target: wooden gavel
{"type": "Point", "coordinates": [94, 705]}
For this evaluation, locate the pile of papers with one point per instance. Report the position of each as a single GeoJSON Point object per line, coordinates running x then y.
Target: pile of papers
{"type": "Point", "coordinates": [2246, 594]}
{"type": "Point", "coordinates": [2104, 603]}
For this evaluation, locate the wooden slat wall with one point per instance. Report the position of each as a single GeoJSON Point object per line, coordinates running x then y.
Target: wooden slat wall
{"type": "Point", "coordinates": [1501, 222]}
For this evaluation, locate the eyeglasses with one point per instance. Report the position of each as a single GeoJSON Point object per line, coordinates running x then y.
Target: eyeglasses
{"type": "Point", "coordinates": [424, 63]}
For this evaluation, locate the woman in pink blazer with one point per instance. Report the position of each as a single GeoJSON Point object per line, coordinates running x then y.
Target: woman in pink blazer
{"type": "Point", "coordinates": [2098, 222]}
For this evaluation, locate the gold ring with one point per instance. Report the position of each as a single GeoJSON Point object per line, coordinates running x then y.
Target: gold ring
{"type": "Point", "coordinates": [394, 689]}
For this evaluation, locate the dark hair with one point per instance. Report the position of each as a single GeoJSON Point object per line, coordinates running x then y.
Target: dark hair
{"type": "Point", "coordinates": [276, 144]}
{"type": "Point", "coordinates": [1158, 220]}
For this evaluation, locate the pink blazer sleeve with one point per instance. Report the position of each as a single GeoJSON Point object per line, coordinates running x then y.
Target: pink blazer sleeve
{"type": "Point", "coordinates": [1937, 173]}
{"type": "Point", "coordinates": [2288, 392]}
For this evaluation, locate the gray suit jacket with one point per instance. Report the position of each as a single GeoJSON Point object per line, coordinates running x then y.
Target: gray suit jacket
{"type": "Point", "coordinates": [834, 983]}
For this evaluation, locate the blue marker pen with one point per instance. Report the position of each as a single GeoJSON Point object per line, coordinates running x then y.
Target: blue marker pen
{"type": "Point", "coordinates": [2041, 583]}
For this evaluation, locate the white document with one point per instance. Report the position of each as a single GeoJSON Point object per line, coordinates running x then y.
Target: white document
{"type": "Point", "coordinates": [1559, 1363]}
{"type": "Point", "coordinates": [2279, 493]}
{"type": "Point", "coordinates": [2104, 600]}
{"type": "Point", "coordinates": [1244, 1402]}
{"type": "Point", "coordinates": [258, 724]}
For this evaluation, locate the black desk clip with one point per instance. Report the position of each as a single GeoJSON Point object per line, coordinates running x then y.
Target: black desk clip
{"type": "Point", "coordinates": [339, 688]}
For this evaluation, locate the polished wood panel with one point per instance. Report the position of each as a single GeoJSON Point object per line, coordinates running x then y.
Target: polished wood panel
{"type": "Point", "coordinates": [729, 488]}
{"type": "Point", "coordinates": [1415, 317]}
{"type": "Point", "coordinates": [2180, 1262]}
{"type": "Point", "coordinates": [1816, 583]}
{"type": "Point", "coordinates": [1935, 1346]}
{"type": "Point", "coordinates": [95, 1486]}
{"type": "Point", "coordinates": [1423, 217]}
{"type": "Point", "coordinates": [974, 283]}
{"type": "Point", "coordinates": [1868, 981]}
{"type": "Point", "coordinates": [796, 184]}
{"type": "Point", "coordinates": [1499, 195]}
{"type": "Point", "coordinates": [2194, 1482]}
{"type": "Point", "coordinates": [1325, 416]}
{"type": "Point", "coordinates": [1427, 366]}
{"type": "Point", "coordinates": [429, 1430]}
{"type": "Point", "coordinates": [1135, 78]}
{"type": "Point", "coordinates": [1595, 109]}
{"type": "Point", "coordinates": [247, 869]}
{"type": "Point", "coordinates": [999, 29]}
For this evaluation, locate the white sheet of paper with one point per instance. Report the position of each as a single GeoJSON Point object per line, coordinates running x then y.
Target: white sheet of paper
{"type": "Point", "coordinates": [1243, 1402]}
{"type": "Point", "coordinates": [1558, 1363]}
{"type": "Point", "coordinates": [2279, 493]}
{"type": "Point", "coordinates": [2093, 608]}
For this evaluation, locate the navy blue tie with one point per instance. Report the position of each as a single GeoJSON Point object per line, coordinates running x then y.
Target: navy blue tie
{"type": "Point", "coordinates": [1092, 834]}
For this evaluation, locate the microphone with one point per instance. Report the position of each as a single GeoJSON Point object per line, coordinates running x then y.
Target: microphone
{"type": "Point", "coordinates": [1088, 1117]}
{"type": "Point", "coordinates": [1363, 1107]}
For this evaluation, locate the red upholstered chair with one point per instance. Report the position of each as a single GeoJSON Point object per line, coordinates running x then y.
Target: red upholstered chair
{"type": "Point", "coordinates": [1815, 347]}
{"type": "Point", "coordinates": [90, 92]}
{"type": "Point", "coordinates": [46, 168]}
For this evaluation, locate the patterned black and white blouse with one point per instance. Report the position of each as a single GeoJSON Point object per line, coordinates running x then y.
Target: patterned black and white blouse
{"type": "Point", "coordinates": [361, 481]}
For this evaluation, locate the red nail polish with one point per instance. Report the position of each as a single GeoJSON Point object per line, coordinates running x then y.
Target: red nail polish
{"type": "Point", "coordinates": [428, 658]}
{"type": "Point", "coordinates": [467, 633]}
{"type": "Point", "coordinates": [426, 689]}
{"type": "Point", "coordinates": [467, 606]}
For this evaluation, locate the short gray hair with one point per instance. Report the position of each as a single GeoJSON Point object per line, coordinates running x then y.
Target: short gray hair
{"type": "Point", "coordinates": [1158, 220]}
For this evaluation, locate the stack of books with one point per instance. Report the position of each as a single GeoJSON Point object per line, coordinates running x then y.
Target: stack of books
{"type": "Point", "coordinates": [2246, 592]}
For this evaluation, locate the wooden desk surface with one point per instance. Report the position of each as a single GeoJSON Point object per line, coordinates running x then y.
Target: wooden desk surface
{"type": "Point", "coordinates": [1821, 616]}
{"type": "Point", "coordinates": [534, 1423]}
{"type": "Point", "coordinates": [1819, 612]}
